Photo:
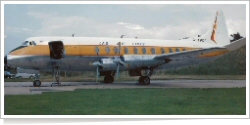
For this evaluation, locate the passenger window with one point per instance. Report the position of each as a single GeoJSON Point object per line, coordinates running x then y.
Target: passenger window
{"type": "Point", "coordinates": [135, 50]}
{"type": "Point", "coordinates": [144, 50]}
{"type": "Point", "coordinates": [170, 50]}
{"type": "Point", "coordinates": [183, 49]}
{"type": "Point", "coordinates": [177, 50]}
{"type": "Point", "coordinates": [97, 50]}
{"type": "Point", "coordinates": [153, 50]}
{"type": "Point", "coordinates": [107, 50]}
{"type": "Point", "coordinates": [126, 50]}
{"type": "Point", "coordinates": [116, 50]}
{"type": "Point", "coordinates": [162, 50]}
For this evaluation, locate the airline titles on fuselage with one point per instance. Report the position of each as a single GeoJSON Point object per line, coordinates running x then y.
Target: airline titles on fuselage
{"type": "Point", "coordinates": [104, 43]}
{"type": "Point", "coordinates": [138, 44]}
{"type": "Point", "coordinates": [133, 44]}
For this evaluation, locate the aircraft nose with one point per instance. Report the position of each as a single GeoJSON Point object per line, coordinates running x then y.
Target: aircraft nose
{"type": "Point", "coordinates": [5, 59]}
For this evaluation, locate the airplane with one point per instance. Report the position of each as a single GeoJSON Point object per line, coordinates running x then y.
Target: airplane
{"type": "Point", "coordinates": [109, 56]}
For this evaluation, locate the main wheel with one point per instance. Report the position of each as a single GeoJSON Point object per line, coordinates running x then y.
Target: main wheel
{"type": "Point", "coordinates": [140, 80]}
{"type": "Point", "coordinates": [37, 83]}
{"type": "Point", "coordinates": [108, 79]}
{"type": "Point", "coordinates": [144, 80]}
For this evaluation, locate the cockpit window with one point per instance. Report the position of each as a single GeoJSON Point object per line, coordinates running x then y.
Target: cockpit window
{"type": "Point", "coordinates": [29, 43]}
{"type": "Point", "coordinates": [32, 43]}
{"type": "Point", "coordinates": [25, 43]}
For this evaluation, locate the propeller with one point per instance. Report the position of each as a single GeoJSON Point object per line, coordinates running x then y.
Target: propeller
{"type": "Point", "coordinates": [97, 64]}
{"type": "Point", "coordinates": [97, 74]}
{"type": "Point", "coordinates": [5, 59]}
{"type": "Point", "coordinates": [117, 70]}
{"type": "Point", "coordinates": [118, 62]}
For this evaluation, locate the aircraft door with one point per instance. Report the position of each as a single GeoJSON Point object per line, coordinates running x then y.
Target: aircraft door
{"type": "Point", "coordinates": [57, 50]}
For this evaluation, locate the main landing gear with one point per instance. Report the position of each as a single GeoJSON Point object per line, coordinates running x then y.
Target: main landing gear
{"type": "Point", "coordinates": [108, 79]}
{"type": "Point", "coordinates": [144, 80]}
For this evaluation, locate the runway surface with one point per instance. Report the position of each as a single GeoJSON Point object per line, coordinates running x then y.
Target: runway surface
{"type": "Point", "coordinates": [23, 88]}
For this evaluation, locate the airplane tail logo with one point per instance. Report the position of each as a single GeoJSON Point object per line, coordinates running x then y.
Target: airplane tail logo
{"type": "Point", "coordinates": [218, 32]}
{"type": "Point", "coordinates": [213, 36]}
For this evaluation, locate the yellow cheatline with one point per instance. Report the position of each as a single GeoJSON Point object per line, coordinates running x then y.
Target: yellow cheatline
{"type": "Point", "coordinates": [89, 50]}
{"type": "Point", "coordinates": [211, 54]}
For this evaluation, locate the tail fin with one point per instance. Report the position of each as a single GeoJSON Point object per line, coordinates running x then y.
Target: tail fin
{"type": "Point", "coordinates": [218, 33]}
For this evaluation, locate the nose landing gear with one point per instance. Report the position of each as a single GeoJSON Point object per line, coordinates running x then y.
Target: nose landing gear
{"type": "Point", "coordinates": [37, 82]}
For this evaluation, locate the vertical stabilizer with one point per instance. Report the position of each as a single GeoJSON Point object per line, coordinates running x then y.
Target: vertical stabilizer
{"type": "Point", "coordinates": [217, 33]}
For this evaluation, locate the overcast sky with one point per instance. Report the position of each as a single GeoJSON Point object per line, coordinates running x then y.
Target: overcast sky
{"type": "Point", "coordinates": [143, 21]}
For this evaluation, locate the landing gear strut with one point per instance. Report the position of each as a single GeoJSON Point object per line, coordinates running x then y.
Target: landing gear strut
{"type": "Point", "coordinates": [56, 76]}
{"type": "Point", "coordinates": [144, 80]}
{"type": "Point", "coordinates": [108, 79]}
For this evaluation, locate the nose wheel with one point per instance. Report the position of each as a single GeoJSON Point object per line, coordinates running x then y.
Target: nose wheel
{"type": "Point", "coordinates": [144, 80]}
{"type": "Point", "coordinates": [37, 83]}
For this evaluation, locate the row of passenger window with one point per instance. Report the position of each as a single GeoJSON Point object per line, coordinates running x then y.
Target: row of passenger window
{"type": "Point", "coordinates": [144, 50]}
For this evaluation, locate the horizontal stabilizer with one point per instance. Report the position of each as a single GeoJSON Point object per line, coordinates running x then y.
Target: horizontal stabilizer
{"type": "Point", "coordinates": [237, 44]}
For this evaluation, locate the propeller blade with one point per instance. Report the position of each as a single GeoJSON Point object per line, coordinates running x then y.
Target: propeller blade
{"type": "Point", "coordinates": [124, 64]}
{"type": "Point", "coordinates": [97, 64]}
{"type": "Point", "coordinates": [5, 59]}
{"type": "Point", "coordinates": [117, 71]}
{"type": "Point", "coordinates": [97, 73]}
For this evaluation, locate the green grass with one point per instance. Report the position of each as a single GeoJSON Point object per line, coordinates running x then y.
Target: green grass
{"type": "Point", "coordinates": [130, 102]}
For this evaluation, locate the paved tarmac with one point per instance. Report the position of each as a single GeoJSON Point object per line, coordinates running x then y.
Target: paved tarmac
{"type": "Point", "coordinates": [23, 88]}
